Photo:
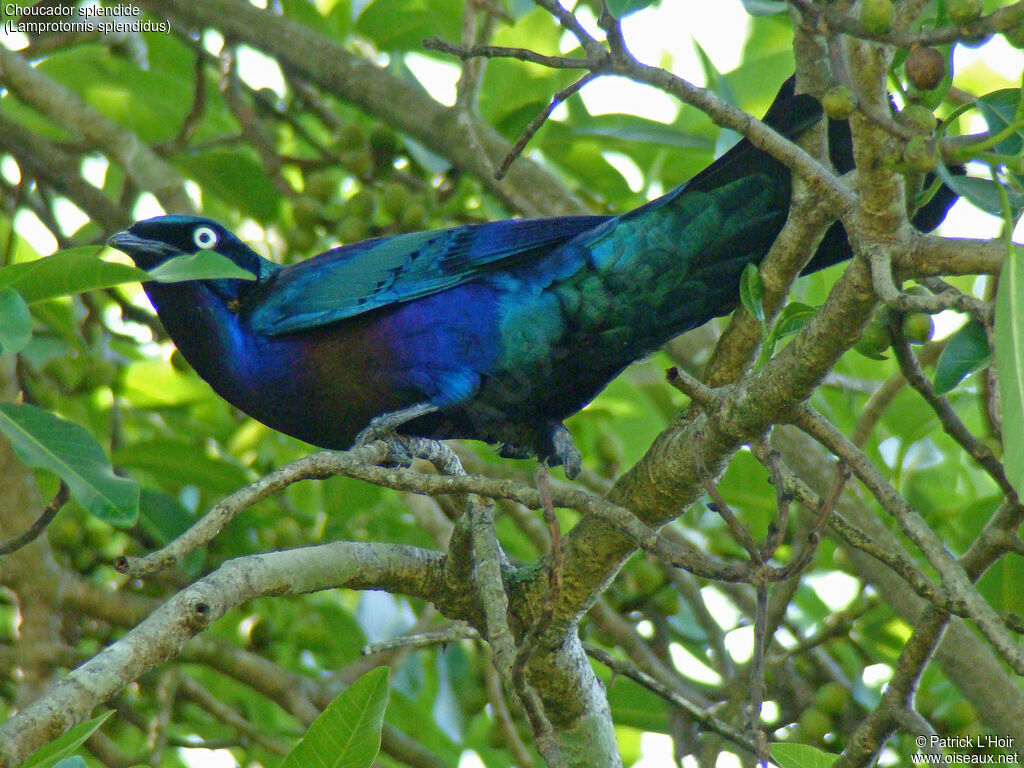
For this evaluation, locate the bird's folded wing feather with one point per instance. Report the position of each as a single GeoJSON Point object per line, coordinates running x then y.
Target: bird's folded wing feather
{"type": "Point", "coordinates": [357, 278]}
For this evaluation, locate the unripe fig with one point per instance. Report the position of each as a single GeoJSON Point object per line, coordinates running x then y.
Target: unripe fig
{"type": "Point", "coordinates": [306, 211]}
{"type": "Point", "coordinates": [964, 11]}
{"type": "Point", "coordinates": [925, 67]}
{"type": "Point", "coordinates": [321, 185]}
{"type": "Point", "coordinates": [918, 117]}
{"type": "Point", "coordinates": [832, 698]}
{"type": "Point", "coordinates": [362, 205]}
{"type": "Point", "coordinates": [414, 215]}
{"type": "Point", "coordinates": [351, 136]}
{"type": "Point", "coordinates": [394, 198]}
{"type": "Point", "coordinates": [839, 102]}
{"type": "Point", "coordinates": [813, 725]}
{"type": "Point", "coordinates": [876, 15]}
{"type": "Point", "coordinates": [874, 340]}
{"type": "Point", "coordinates": [917, 327]}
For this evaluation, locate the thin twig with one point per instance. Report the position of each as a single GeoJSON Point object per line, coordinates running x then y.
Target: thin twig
{"type": "Point", "coordinates": [530, 131]}
{"type": "Point", "coordinates": [948, 418]}
{"type": "Point", "coordinates": [17, 542]}
{"type": "Point", "coordinates": [702, 716]}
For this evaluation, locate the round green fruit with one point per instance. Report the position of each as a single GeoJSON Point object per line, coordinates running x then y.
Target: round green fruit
{"type": "Point", "coordinates": [394, 198]}
{"type": "Point", "coordinates": [918, 117]}
{"type": "Point", "coordinates": [839, 102]}
{"type": "Point", "coordinates": [363, 204]}
{"type": "Point", "coordinates": [384, 142]}
{"type": "Point", "coordinates": [964, 11]}
{"type": "Point", "coordinates": [813, 725]}
{"type": "Point", "coordinates": [359, 162]}
{"type": "Point", "coordinates": [306, 211]}
{"type": "Point", "coordinates": [646, 576]}
{"type": "Point", "coordinates": [877, 15]}
{"type": "Point", "coordinates": [302, 240]}
{"type": "Point", "coordinates": [414, 215]}
{"type": "Point", "coordinates": [352, 230]}
{"type": "Point", "coordinates": [832, 698]}
{"type": "Point", "coordinates": [874, 341]}
{"type": "Point", "coordinates": [917, 327]}
{"type": "Point", "coordinates": [321, 185]}
{"type": "Point", "coordinates": [351, 136]}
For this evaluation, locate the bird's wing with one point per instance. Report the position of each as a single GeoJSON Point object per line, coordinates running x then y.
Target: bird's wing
{"type": "Point", "coordinates": [357, 278]}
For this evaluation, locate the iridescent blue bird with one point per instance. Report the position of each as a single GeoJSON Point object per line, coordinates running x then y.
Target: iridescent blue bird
{"type": "Point", "coordinates": [495, 332]}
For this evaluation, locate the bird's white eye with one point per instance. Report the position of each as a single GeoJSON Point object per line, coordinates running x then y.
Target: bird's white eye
{"type": "Point", "coordinates": [204, 238]}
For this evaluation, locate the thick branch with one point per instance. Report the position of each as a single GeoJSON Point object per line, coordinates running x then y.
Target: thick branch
{"type": "Point", "coordinates": [163, 634]}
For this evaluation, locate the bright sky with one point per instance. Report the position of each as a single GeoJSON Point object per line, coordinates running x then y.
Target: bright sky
{"type": "Point", "coordinates": [655, 35]}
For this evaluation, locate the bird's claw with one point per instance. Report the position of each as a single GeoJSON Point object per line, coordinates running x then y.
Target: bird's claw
{"type": "Point", "coordinates": [566, 451]}
{"type": "Point", "coordinates": [384, 428]}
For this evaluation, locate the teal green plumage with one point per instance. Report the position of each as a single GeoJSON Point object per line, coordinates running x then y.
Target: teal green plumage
{"type": "Point", "coordinates": [504, 329]}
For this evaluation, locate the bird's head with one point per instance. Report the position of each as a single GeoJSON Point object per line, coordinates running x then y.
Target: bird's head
{"type": "Point", "coordinates": [151, 242]}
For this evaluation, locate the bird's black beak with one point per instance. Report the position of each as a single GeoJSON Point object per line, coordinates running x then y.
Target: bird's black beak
{"type": "Point", "coordinates": [145, 253]}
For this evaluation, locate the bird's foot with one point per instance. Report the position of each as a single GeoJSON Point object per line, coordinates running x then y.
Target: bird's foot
{"type": "Point", "coordinates": [566, 452]}
{"type": "Point", "coordinates": [384, 428]}
{"type": "Point", "coordinates": [559, 449]}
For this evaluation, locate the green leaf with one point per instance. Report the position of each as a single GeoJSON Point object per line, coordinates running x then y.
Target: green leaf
{"type": "Point", "coordinates": [15, 321]}
{"type": "Point", "coordinates": [72, 271]}
{"type": "Point", "coordinates": [347, 733]}
{"type": "Point", "coordinates": [45, 441]}
{"type": "Point", "coordinates": [791, 319]}
{"type": "Point", "coordinates": [966, 352]}
{"type": "Point", "coordinates": [801, 756]}
{"type": "Point", "coordinates": [403, 24]}
{"type": "Point", "coordinates": [620, 8]}
{"type": "Point", "coordinates": [78, 270]}
{"type": "Point", "coordinates": [1009, 338]}
{"type": "Point", "coordinates": [752, 292]}
{"type": "Point", "coordinates": [65, 745]}
{"type": "Point", "coordinates": [204, 265]}
{"type": "Point", "coordinates": [982, 193]}
{"type": "Point", "coordinates": [234, 178]}
{"type": "Point", "coordinates": [999, 110]}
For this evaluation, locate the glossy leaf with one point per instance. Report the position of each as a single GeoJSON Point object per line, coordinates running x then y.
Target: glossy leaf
{"type": "Point", "coordinates": [204, 265]}
{"type": "Point", "coordinates": [403, 24]}
{"type": "Point", "coordinates": [151, 103]}
{"type": "Point", "coordinates": [45, 441]}
{"type": "Point", "coordinates": [752, 292]}
{"type": "Point", "coordinates": [15, 321]}
{"type": "Point", "coordinates": [347, 733]}
{"type": "Point", "coordinates": [65, 745]}
{"type": "Point", "coordinates": [999, 110]}
{"type": "Point", "coordinates": [791, 319]}
{"type": "Point", "coordinates": [982, 193]}
{"type": "Point", "coordinates": [966, 352]}
{"type": "Point", "coordinates": [72, 271]}
{"type": "Point", "coordinates": [78, 270]}
{"type": "Point", "coordinates": [236, 179]}
{"type": "Point", "coordinates": [801, 756]}
{"type": "Point", "coordinates": [1009, 337]}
